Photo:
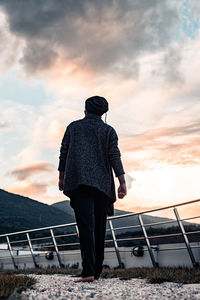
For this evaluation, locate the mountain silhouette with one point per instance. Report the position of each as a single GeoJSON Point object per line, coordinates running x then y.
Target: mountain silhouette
{"type": "Point", "coordinates": [121, 222]}
{"type": "Point", "coordinates": [21, 213]}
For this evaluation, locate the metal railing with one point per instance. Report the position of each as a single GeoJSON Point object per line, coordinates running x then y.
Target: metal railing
{"type": "Point", "coordinates": [146, 238]}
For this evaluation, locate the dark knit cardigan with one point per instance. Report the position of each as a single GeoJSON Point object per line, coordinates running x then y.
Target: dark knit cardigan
{"type": "Point", "coordinates": [88, 153]}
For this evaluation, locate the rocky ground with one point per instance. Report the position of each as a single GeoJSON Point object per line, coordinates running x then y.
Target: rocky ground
{"type": "Point", "coordinates": [63, 287]}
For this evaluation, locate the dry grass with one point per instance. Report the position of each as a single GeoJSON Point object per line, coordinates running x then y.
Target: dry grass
{"type": "Point", "coordinates": [12, 283]}
{"type": "Point", "coordinates": [157, 275]}
{"type": "Point", "coordinates": [153, 275]}
{"type": "Point", "coordinates": [40, 271]}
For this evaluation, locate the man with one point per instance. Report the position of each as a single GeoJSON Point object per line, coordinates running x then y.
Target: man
{"type": "Point", "coordinates": [89, 151]}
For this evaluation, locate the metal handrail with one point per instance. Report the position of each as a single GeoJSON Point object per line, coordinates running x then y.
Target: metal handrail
{"type": "Point", "coordinates": [112, 230]}
{"type": "Point", "coordinates": [155, 209]}
{"type": "Point", "coordinates": [124, 227]}
{"type": "Point", "coordinates": [109, 218]}
{"type": "Point", "coordinates": [153, 224]}
{"type": "Point", "coordinates": [38, 229]}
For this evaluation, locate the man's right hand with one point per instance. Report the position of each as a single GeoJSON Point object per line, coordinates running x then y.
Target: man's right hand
{"type": "Point", "coordinates": [122, 191]}
{"type": "Point", "coordinates": [61, 184]}
{"type": "Point", "coordinates": [61, 180]}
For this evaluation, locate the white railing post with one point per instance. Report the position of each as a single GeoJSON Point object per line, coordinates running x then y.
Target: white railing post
{"type": "Point", "coordinates": [155, 264]}
{"type": "Point", "coordinates": [115, 244]}
{"type": "Point", "coordinates": [195, 264]}
{"type": "Point", "coordinates": [31, 249]}
{"type": "Point", "coordinates": [77, 231]}
{"type": "Point", "coordinates": [56, 248]}
{"type": "Point", "coordinates": [11, 252]}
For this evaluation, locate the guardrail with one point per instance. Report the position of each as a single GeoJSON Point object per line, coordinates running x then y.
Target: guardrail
{"type": "Point", "coordinates": [53, 244]}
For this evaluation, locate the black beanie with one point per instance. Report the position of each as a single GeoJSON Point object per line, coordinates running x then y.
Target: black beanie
{"type": "Point", "coordinates": [96, 105]}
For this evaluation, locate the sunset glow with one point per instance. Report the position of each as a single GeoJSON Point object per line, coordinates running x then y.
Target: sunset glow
{"type": "Point", "coordinates": [142, 58]}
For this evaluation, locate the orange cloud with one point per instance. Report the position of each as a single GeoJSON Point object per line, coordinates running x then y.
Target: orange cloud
{"type": "Point", "coordinates": [24, 172]}
{"type": "Point", "coordinates": [3, 125]}
{"type": "Point", "coordinates": [173, 145]}
{"type": "Point", "coordinates": [131, 163]}
{"type": "Point", "coordinates": [30, 189]}
{"type": "Point", "coordinates": [135, 209]}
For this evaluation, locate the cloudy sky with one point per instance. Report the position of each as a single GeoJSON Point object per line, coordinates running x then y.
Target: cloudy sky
{"type": "Point", "coordinates": [142, 55]}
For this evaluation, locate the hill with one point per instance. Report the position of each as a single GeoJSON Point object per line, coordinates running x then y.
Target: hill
{"type": "Point", "coordinates": [21, 213]}
{"type": "Point", "coordinates": [121, 222]}
{"type": "Point", "coordinates": [162, 229]}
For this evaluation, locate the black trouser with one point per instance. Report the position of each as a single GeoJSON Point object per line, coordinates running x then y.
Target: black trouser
{"type": "Point", "coordinates": [89, 205]}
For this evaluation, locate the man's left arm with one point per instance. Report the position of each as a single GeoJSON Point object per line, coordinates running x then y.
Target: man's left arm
{"type": "Point", "coordinates": [62, 158]}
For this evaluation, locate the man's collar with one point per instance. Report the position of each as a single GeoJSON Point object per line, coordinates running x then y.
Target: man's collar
{"type": "Point", "coordinates": [92, 116]}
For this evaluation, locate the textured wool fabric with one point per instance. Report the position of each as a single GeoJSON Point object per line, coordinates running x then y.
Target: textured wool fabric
{"type": "Point", "coordinates": [88, 153]}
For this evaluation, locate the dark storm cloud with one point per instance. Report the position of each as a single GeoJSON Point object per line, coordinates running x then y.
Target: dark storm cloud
{"type": "Point", "coordinates": [106, 35]}
{"type": "Point", "coordinates": [172, 61]}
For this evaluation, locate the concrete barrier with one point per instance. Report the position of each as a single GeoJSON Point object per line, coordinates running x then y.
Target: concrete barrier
{"type": "Point", "coordinates": [175, 257]}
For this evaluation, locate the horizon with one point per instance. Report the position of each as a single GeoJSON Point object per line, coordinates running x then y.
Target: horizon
{"type": "Point", "coordinates": [141, 56]}
{"type": "Point", "coordinates": [186, 211]}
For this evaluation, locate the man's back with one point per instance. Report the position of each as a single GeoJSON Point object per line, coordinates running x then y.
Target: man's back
{"type": "Point", "coordinates": [90, 144]}
{"type": "Point", "coordinates": [90, 149]}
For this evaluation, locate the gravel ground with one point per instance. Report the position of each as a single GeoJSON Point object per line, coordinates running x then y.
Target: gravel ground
{"type": "Point", "coordinates": [63, 287]}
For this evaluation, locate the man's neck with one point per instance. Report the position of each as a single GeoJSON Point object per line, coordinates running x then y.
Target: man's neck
{"type": "Point", "coordinates": [92, 116]}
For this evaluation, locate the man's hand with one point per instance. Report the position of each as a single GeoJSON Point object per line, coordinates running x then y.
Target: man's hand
{"type": "Point", "coordinates": [122, 186]}
{"type": "Point", "coordinates": [122, 190]}
{"type": "Point", "coordinates": [61, 184]}
{"type": "Point", "coordinates": [61, 181]}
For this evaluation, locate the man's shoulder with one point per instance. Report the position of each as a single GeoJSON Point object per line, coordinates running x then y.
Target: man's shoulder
{"type": "Point", "coordinates": [80, 122]}
{"type": "Point", "coordinates": [107, 127]}
{"type": "Point", "coordinates": [75, 122]}
{"type": "Point", "coordinates": [110, 128]}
